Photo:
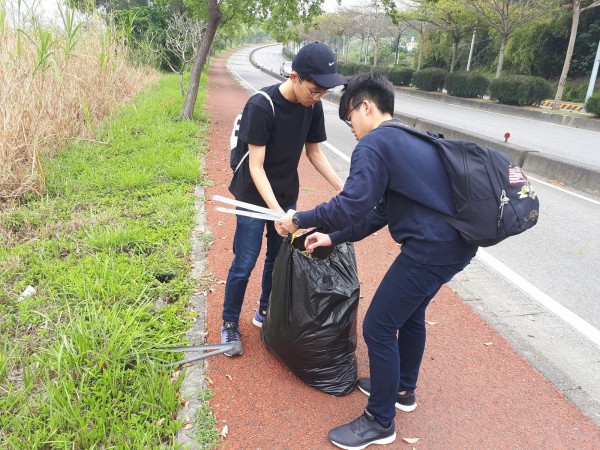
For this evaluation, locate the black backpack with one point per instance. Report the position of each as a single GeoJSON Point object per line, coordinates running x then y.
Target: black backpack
{"type": "Point", "coordinates": [492, 195]}
{"type": "Point", "coordinates": [239, 150]}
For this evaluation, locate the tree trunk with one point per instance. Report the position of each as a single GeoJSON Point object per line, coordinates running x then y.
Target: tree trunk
{"type": "Point", "coordinates": [569, 55]}
{"type": "Point", "coordinates": [203, 47]}
{"type": "Point", "coordinates": [421, 39]}
{"type": "Point", "coordinates": [376, 51]}
{"type": "Point", "coordinates": [454, 51]}
{"type": "Point", "coordinates": [501, 56]}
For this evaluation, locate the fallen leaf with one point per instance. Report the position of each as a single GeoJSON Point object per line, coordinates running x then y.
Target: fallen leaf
{"type": "Point", "coordinates": [411, 440]}
{"type": "Point", "coordinates": [159, 422]}
{"type": "Point", "coordinates": [209, 380]}
{"type": "Point", "coordinates": [229, 377]}
{"type": "Point", "coordinates": [188, 426]}
{"type": "Point", "coordinates": [175, 376]}
{"type": "Point", "coordinates": [530, 335]}
{"type": "Point", "coordinates": [187, 405]}
{"type": "Point", "coordinates": [187, 419]}
{"type": "Point", "coordinates": [431, 323]}
{"type": "Point", "coordinates": [224, 431]}
{"type": "Point", "coordinates": [488, 343]}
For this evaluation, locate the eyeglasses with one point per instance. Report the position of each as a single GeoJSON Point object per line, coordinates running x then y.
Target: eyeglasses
{"type": "Point", "coordinates": [314, 94]}
{"type": "Point", "coordinates": [346, 120]}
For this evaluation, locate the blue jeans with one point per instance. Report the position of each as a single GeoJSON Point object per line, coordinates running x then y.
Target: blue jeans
{"type": "Point", "coordinates": [247, 243]}
{"type": "Point", "coordinates": [394, 329]}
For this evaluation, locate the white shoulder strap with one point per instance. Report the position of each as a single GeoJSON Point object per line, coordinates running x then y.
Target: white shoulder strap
{"type": "Point", "coordinates": [273, 108]}
{"type": "Point", "coordinates": [268, 98]}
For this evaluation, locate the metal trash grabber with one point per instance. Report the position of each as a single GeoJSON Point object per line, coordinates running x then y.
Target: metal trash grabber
{"type": "Point", "coordinates": [215, 349]}
{"type": "Point", "coordinates": [257, 212]}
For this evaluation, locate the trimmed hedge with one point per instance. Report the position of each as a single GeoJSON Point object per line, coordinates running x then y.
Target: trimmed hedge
{"type": "Point", "coordinates": [520, 90]}
{"type": "Point", "coordinates": [430, 79]}
{"type": "Point", "coordinates": [466, 84]}
{"type": "Point", "coordinates": [400, 76]}
{"type": "Point", "coordinates": [593, 104]}
{"type": "Point", "coordinates": [363, 68]}
{"type": "Point", "coordinates": [347, 68]}
{"type": "Point", "coordinates": [382, 70]}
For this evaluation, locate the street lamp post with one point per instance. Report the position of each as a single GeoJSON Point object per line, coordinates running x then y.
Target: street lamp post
{"type": "Point", "coordinates": [590, 90]}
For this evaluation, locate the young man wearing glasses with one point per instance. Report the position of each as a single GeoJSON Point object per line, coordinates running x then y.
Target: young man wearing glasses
{"type": "Point", "coordinates": [275, 136]}
{"type": "Point", "coordinates": [398, 181]}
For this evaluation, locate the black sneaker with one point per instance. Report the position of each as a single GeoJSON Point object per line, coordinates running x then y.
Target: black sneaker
{"type": "Point", "coordinates": [406, 402]}
{"type": "Point", "coordinates": [361, 433]}
{"type": "Point", "coordinates": [230, 334]}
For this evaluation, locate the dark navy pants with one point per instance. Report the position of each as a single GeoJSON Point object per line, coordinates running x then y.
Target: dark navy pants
{"type": "Point", "coordinates": [247, 243]}
{"type": "Point", "coordinates": [394, 329]}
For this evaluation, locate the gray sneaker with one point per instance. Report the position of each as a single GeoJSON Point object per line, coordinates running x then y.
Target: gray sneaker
{"type": "Point", "coordinates": [361, 433]}
{"type": "Point", "coordinates": [406, 402]}
{"type": "Point", "coordinates": [230, 334]}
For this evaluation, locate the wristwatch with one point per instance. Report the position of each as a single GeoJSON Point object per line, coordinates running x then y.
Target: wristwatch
{"type": "Point", "coordinates": [296, 220]}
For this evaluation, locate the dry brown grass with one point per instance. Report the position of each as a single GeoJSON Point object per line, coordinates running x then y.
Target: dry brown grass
{"type": "Point", "coordinates": [40, 111]}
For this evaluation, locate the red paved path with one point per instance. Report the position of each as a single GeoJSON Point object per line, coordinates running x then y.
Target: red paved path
{"type": "Point", "coordinates": [471, 395]}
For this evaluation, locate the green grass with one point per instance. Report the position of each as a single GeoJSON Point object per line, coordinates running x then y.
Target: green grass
{"type": "Point", "coordinates": [107, 248]}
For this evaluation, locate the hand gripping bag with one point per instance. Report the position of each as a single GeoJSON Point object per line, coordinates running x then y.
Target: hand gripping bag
{"type": "Point", "coordinates": [311, 320]}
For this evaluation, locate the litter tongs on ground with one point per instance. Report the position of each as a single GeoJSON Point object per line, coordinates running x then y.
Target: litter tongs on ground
{"type": "Point", "coordinates": [207, 350]}
{"type": "Point", "coordinates": [250, 210]}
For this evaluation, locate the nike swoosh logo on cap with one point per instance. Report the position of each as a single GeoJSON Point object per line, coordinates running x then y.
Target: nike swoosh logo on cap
{"type": "Point", "coordinates": [331, 64]}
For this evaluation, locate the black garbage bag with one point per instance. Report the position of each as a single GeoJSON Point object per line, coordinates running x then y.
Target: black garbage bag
{"type": "Point", "coordinates": [311, 320]}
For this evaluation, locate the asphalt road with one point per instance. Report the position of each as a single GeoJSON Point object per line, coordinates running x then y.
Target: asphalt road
{"type": "Point", "coordinates": [539, 289]}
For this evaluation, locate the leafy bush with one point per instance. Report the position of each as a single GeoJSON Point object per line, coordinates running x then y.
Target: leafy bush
{"type": "Point", "coordinates": [520, 90]}
{"type": "Point", "coordinates": [383, 70]}
{"type": "Point", "coordinates": [593, 104]}
{"type": "Point", "coordinates": [347, 68]}
{"type": "Point", "coordinates": [574, 92]}
{"type": "Point", "coordinates": [466, 84]}
{"type": "Point", "coordinates": [400, 76]}
{"type": "Point", "coordinates": [430, 79]}
{"type": "Point", "coordinates": [364, 68]}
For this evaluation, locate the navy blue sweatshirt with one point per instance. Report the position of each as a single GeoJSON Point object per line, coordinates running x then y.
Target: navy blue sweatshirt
{"type": "Point", "coordinates": [396, 180]}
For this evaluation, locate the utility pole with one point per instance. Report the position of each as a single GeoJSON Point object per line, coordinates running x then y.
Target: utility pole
{"type": "Point", "coordinates": [590, 90]}
{"type": "Point", "coordinates": [471, 51]}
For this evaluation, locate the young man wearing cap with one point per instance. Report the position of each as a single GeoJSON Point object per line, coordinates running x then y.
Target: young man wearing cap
{"type": "Point", "coordinates": [398, 182]}
{"type": "Point", "coordinates": [269, 175]}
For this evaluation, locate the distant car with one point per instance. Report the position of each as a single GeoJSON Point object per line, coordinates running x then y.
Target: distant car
{"type": "Point", "coordinates": [285, 69]}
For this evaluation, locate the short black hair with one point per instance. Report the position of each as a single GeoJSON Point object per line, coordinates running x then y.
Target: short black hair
{"type": "Point", "coordinates": [367, 86]}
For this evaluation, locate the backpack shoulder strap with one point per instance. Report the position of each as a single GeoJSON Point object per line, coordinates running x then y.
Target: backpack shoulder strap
{"type": "Point", "coordinates": [395, 123]}
{"type": "Point", "coordinates": [264, 94]}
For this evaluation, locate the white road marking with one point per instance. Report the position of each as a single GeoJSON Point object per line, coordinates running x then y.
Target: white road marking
{"type": "Point", "coordinates": [593, 334]}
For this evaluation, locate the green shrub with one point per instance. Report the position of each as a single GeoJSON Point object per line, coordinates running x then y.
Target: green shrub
{"type": "Point", "coordinates": [520, 90]}
{"type": "Point", "coordinates": [382, 70]}
{"type": "Point", "coordinates": [430, 79]}
{"type": "Point", "coordinates": [288, 53]}
{"type": "Point", "coordinates": [466, 84]}
{"type": "Point", "coordinates": [400, 76]}
{"type": "Point", "coordinates": [364, 68]}
{"type": "Point", "coordinates": [347, 68]}
{"type": "Point", "coordinates": [593, 104]}
{"type": "Point", "coordinates": [574, 92]}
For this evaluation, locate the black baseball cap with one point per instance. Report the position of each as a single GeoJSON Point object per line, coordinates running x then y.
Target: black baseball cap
{"type": "Point", "coordinates": [318, 61]}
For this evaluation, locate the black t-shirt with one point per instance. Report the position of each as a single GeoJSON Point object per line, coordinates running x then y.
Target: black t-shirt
{"type": "Point", "coordinates": [284, 135]}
